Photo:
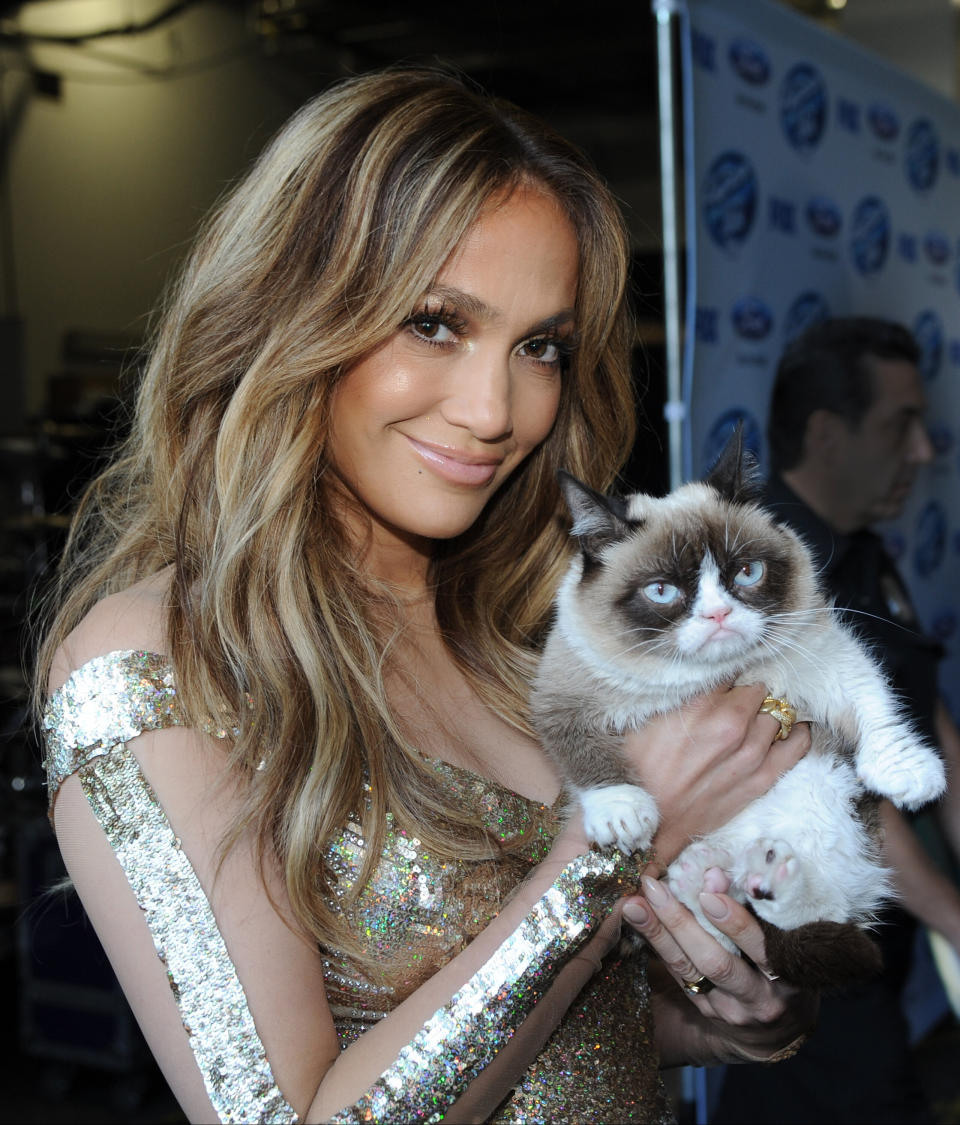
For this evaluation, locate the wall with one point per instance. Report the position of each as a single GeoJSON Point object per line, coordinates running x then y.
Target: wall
{"type": "Point", "coordinates": [109, 181]}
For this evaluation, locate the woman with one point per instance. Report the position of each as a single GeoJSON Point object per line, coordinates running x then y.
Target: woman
{"type": "Point", "coordinates": [288, 677]}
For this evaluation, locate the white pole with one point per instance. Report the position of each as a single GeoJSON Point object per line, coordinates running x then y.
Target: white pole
{"type": "Point", "coordinates": [674, 409]}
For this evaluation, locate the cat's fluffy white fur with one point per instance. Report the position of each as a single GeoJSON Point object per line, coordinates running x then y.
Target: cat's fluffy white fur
{"type": "Point", "coordinates": [801, 853]}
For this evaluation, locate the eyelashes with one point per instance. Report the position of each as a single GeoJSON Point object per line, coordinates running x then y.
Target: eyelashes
{"type": "Point", "coordinates": [443, 327]}
{"type": "Point", "coordinates": [429, 324]}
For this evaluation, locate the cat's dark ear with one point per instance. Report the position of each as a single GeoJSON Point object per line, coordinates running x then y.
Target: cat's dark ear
{"type": "Point", "coordinates": [598, 520]}
{"type": "Point", "coordinates": [736, 475]}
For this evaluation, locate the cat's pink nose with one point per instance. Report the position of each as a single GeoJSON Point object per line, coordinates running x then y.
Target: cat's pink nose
{"type": "Point", "coordinates": [719, 614]}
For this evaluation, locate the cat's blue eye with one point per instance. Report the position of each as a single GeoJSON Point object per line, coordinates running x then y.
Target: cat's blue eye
{"type": "Point", "coordinates": [661, 592]}
{"type": "Point", "coordinates": [749, 574]}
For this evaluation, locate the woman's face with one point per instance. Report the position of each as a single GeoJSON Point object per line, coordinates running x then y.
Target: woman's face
{"type": "Point", "coordinates": [426, 429]}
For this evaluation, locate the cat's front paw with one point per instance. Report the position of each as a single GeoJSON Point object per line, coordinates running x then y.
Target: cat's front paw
{"type": "Point", "coordinates": [624, 815]}
{"type": "Point", "coordinates": [905, 770]}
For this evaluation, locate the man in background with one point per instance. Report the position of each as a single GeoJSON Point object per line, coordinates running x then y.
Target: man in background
{"type": "Point", "coordinates": [846, 435]}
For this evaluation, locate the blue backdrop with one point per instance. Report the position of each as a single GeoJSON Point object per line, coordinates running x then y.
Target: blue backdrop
{"type": "Point", "coordinates": [819, 181]}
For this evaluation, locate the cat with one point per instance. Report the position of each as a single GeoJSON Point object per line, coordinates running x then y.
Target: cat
{"type": "Point", "coordinates": [671, 597]}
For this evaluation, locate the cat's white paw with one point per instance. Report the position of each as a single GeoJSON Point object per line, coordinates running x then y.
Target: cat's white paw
{"type": "Point", "coordinates": [624, 815]}
{"type": "Point", "coordinates": [686, 875]}
{"type": "Point", "coordinates": [771, 877]}
{"type": "Point", "coordinates": [906, 771]}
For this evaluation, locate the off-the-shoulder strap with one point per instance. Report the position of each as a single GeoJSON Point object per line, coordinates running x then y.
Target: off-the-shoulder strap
{"type": "Point", "coordinates": [104, 703]}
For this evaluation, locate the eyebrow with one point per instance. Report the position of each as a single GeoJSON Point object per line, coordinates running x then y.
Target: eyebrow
{"type": "Point", "coordinates": [477, 309]}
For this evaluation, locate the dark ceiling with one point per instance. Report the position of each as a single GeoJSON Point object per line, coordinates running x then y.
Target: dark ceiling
{"type": "Point", "coordinates": [589, 68]}
{"type": "Point", "coordinates": [598, 58]}
{"type": "Point", "coordinates": [591, 73]}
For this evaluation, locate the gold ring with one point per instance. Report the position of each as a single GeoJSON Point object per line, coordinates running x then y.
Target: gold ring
{"type": "Point", "coordinates": [698, 987]}
{"type": "Point", "coordinates": [785, 714]}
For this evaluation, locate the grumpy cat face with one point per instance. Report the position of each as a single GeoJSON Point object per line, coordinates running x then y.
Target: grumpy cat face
{"type": "Point", "coordinates": [702, 579]}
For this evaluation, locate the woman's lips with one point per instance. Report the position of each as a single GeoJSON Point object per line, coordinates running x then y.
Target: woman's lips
{"type": "Point", "coordinates": [455, 466]}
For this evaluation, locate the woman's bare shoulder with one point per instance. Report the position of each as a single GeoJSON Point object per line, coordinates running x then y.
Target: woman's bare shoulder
{"type": "Point", "coordinates": [135, 618]}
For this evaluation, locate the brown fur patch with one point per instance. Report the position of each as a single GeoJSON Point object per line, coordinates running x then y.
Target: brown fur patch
{"type": "Point", "coordinates": [822, 954]}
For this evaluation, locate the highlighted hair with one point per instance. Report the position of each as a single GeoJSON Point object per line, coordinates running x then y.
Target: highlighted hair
{"type": "Point", "coordinates": [311, 262]}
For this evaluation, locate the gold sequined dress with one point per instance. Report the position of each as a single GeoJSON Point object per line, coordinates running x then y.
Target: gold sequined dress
{"type": "Point", "coordinates": [415, 914]}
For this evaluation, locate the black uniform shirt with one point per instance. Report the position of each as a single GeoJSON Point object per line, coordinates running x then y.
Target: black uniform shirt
{"type": "Point", "coordinates": [862, 578]}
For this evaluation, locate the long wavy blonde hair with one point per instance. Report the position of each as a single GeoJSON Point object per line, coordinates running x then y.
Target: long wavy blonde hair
{"type": "Point", "coordinates": [311, 262]}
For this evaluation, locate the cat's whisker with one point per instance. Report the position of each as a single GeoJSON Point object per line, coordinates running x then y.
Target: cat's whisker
{"type": "Point", "coordinates": [697, 616]}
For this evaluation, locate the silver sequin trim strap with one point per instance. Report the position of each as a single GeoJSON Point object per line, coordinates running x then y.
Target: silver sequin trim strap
{"type": "Point", "coordinates": [204, 983]}
{"type": "Point", "coordinates": [108, 700]}
{"type": "Point", "coordinates": [464, 1036]}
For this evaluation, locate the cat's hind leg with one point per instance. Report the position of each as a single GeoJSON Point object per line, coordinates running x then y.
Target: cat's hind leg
{"type": "Point", "coordinates": [773, 879]}
{"type": "Point", "coordinates": [702, 866]}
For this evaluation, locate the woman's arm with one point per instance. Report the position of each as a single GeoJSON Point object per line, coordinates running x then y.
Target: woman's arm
{"type": "Point", "coordinates": [712, 758]}
{"type": "Point", "coordinates": [948, 808]}
{"type": "Point", "coordinates": [922, 888]}
{"type": "Point", "coordinates": [473, 1004]}
{"type": "Point", "coordinates": [279, 967]}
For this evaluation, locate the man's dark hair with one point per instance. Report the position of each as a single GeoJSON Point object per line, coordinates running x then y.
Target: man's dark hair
{"type": "Point", "coordinates": [825, 369]}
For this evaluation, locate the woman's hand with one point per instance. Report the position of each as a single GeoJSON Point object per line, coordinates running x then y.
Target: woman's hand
{"type": "Point", "coordinates": [708, 760]}
{"type": "Point", "coordinates": [744, 1014]}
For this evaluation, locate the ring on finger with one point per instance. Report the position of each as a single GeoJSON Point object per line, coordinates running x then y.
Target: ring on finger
{"type": "Point", "coordinates": [781, 710]}
{"type": "Point", "coordinates": [699, 986]}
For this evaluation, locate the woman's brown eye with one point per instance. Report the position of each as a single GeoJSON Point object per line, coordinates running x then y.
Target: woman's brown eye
{"type": "Point", "coordinates": [431, 329]}
{"type": "Point", "coordinates": [543, 349]}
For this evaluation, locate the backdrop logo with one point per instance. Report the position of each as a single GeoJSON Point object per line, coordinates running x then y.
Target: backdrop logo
{"type": "Point", "coordinates": [928, 332]}
{"type": "Point", "coordinates": [936, 247]}
{"type": "Point", "coordinates": [807, 310]}
{"type": "Point", "coordinates": [870, 234]}
{"type": "Point", "coordinates": [823, 216]}
{"type": "Point", "coordinates": [730, 199]}
{"type": "Point", "coordinates": [803, 106]}
{"type": "Point", "coordinates": [922, 154]}
{"type": "Point", "coordinates": [752, 319]}
{"type": "Point", "coordinates": [723, 427]}
{"type": "Point", "coordinates": [883, 121]}
{"type": "Point", "coordinates": [750, 61]}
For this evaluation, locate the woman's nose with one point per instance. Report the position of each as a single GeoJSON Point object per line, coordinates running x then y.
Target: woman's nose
{"type": "Point", "coordinates": [479, 399]}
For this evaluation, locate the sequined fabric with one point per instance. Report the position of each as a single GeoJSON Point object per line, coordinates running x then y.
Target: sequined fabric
{"type": "Point", "coordinates": [106, 702]}
{"type": "Point", "coordinates": [415, 914]}
{"type": "Point", "coordinates": [464, 1036]}
{"type": "Point", "coordinates": [202, 978]}
{"type": "Point", "coordinates": [110, 700]}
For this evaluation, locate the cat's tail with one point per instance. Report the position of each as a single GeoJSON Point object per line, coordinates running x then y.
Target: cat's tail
{"type": "Point", "coordinates": [822, 954]}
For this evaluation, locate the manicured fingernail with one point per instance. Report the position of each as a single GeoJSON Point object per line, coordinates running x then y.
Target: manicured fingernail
{"type": "Point", "coordinates": [655, 891]}
{"type": "Point", "coordinates": [636, 913]}
{"type": "Point", "coordinates": [714, 905]}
